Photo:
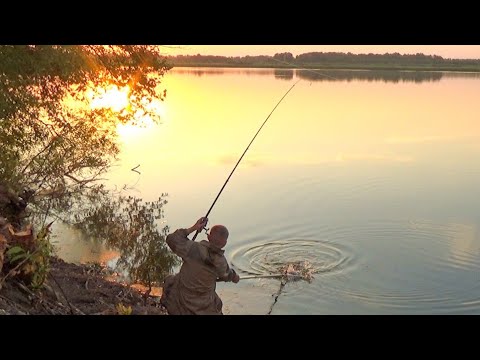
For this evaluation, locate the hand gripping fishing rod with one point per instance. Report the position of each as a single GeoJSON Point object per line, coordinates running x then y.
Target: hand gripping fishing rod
{"type": "Point", "coordinates": [241, 157]}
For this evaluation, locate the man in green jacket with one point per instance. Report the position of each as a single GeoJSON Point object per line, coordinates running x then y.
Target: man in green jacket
{"type": "Point", "coordinates": [192, 290]}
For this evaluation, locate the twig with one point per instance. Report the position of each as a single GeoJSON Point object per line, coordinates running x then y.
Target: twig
{"type": "Point", "coordinates": [33, 295]}
{"type": "Point", "coordinates": [48, 146]}
{"type": "Point", "coordinates": [63, 293]}
{"type": "Point", "coordinates": [2, 280]}
{"type": "Point", "coordinates": [135, 169]}
{"type": "Point", "coordinates": [15, 305]}
{"type": "Point", "coordinates": [44, 305]}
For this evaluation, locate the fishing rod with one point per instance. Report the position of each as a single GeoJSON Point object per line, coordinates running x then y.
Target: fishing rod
{"type": "Point", "coordinates": [272, 276]}
{"type": "Point", "coordinates": [293, 276]}
{"type": "Point", "coordinates": [241, 157]}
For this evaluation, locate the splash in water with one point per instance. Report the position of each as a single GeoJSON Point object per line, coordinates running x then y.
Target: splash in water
{"type": "Point", "coordinates": [301, 270]}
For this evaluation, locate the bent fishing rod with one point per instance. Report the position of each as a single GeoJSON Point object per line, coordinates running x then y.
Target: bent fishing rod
{"type": "Point", "coordinates": [241, 157]}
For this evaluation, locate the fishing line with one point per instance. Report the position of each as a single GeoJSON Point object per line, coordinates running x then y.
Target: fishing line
{"type": "Point", "coordinates": [284, 276]}
{"type": "Point", "coordinates": [241, 157]}
{"type": "Point", "coordinates": [292, 272]}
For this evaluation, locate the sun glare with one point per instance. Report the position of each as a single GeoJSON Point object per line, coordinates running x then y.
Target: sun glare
{"type": "Point", "coordinates": [118, 100]}
{"type": "Point", "coordinates": [112, 97]}
{"type": "Point", "coordinates": [141, 121]}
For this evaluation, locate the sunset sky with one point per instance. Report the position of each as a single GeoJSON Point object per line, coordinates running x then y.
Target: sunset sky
{"type": "Point", "coordinates": [446, 51]}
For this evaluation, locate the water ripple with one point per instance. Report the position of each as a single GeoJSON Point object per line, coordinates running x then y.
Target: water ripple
{"type": "Point", "coordinates": [408, 266]}
{"type": "Point", "coordinates": [263, 258]}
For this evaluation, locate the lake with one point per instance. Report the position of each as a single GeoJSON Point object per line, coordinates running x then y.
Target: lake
{"type": "Point", "coordinates": [371, 177]}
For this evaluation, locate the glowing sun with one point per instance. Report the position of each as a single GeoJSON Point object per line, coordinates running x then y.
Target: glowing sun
{"type": "Point", "coordinates": [111, 97]}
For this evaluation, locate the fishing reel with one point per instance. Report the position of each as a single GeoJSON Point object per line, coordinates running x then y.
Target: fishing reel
{"type": "Point", "coordinates": [205, 226]}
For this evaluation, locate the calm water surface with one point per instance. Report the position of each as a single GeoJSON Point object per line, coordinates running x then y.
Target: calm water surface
{"type": "Point", "coordinates": [372, 177]}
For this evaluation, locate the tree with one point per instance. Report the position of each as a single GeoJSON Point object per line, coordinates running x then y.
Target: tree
{"type": "Point", "coordinates": [53, 142]}
{"type": "Point", "coordinates": [55, 146]}
{"type": "Point", "coordinates": [286, 56]}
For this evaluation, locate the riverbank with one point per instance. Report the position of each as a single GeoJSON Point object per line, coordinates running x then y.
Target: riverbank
{"type": "Point", "coordinates": [474, 69]}
{"type": "Point", "coordinates": [72, 289]}
{"type": "Point", "coordinates": [331, 61]}
{"type": "Point", "coordinates": [34, 281]}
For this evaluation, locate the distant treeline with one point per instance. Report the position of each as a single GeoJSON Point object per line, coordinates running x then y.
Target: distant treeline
{"type": "Point", "coordinates": [331, 60]}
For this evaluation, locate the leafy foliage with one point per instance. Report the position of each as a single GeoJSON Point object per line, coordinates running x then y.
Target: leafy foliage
{"type": "Point", "coordinates": [53, 142]}
{"type": "Point", "coordinates": [123, 310]}
{"type": "Point", "coordinates": [128, 224]}
{"type": "Point", "coordinates": [56, 146]}
{"type": "Point", "coordinates": [30, 260]}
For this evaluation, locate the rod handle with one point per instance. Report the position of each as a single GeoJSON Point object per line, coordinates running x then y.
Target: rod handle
{"type": "Point", "coordinates": [204, 228]}
{"type": "Point", "coordinates": [196, 233]}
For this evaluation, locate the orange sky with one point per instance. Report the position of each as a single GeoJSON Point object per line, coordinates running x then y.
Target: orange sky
{"type": "Point", "coordinates": [446, 51]}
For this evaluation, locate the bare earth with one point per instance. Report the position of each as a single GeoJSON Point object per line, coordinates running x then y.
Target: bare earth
{"type": "Point", "coordinates": [76, 290]}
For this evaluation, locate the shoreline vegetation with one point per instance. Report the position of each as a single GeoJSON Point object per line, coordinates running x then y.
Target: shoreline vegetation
{"type": "Point", "coordinates": [331, 61]}
{"type": "Point", "coordinates": [34, 281]}
{"type": "Point", "coordinates": [58, 145]}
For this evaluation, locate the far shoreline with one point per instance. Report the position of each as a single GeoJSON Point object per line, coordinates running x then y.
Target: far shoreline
{"type": "Point", "coordinates": [330, 61]}
{"type": "Point", "coordinates": [336, 67]}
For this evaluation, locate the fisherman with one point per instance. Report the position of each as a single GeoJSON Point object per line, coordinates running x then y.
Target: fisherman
{"type": "Point", "coordinates": [192, 290]}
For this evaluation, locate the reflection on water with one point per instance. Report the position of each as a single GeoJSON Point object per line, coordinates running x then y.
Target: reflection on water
{"type": "Point", "coordinates": [73, 246]}
{"type": "Point", "coordinates": [366, 75]}
{"type": "Point", "coordinates": [462, 75]}
{"type": "Point", "coordinates": [370, 177]}
{"type": "Point", "coordinates": [283, 74]}
{"type": "Point", "coordinates": [329, 75]}
{"type": "Point", "coordinates": [220, 71]}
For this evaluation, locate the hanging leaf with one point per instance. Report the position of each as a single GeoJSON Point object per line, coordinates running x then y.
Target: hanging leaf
{"type": "Point", "coordinates": [14, 251]}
